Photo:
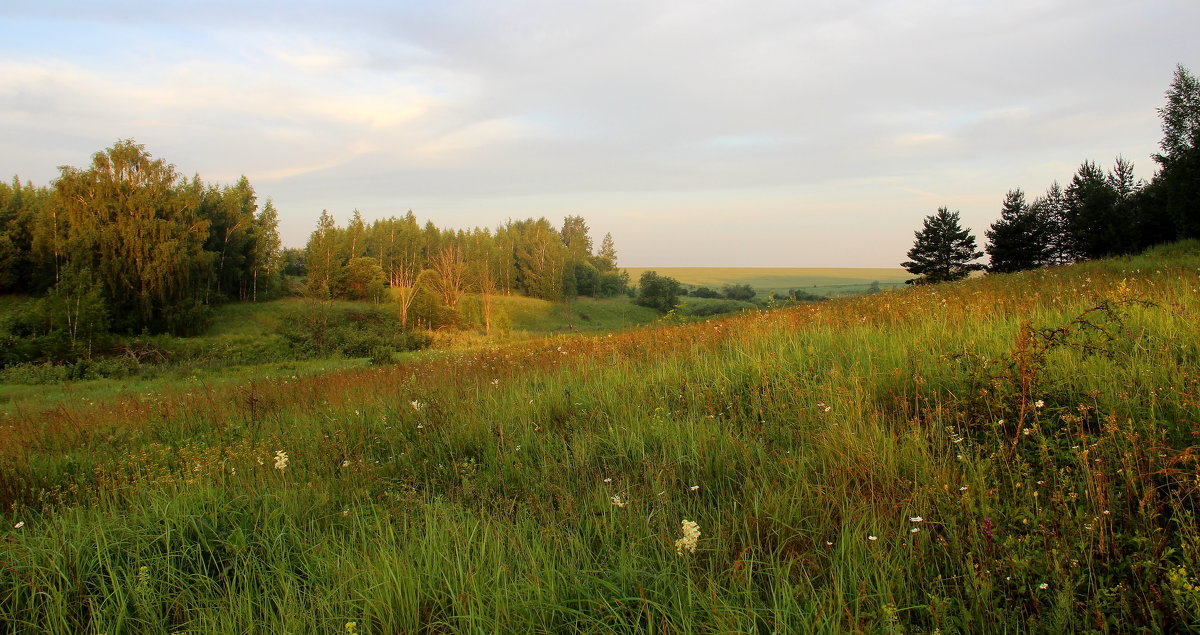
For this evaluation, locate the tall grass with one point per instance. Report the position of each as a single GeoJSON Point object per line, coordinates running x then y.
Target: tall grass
{"type": "Point", "coordinates": [1013, 453]}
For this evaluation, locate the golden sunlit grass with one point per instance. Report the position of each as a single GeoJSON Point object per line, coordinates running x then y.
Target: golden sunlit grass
{"type": "Point", "coordinates": [1040, 426]}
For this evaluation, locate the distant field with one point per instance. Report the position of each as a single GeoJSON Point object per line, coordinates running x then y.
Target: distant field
{"type": "Point", "coordinates": [821, 281]}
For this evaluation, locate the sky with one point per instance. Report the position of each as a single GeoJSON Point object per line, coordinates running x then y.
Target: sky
{"type": "Point", "coordinates": [697, 132]}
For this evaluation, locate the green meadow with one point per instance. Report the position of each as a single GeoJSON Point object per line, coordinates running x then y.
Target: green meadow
{"type": "Point", "coordinates": [830, 282]}
{"type": "Point", "coordinates": [1012, 453]}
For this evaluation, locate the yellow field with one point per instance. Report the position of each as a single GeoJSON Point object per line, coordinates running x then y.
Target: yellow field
{"type": "Point", "coordinates": [826, 281]}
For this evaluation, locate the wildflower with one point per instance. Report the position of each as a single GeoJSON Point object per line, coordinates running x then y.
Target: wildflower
{"type": "Point", "coordinates": [351, 628]}
{"type": "Point", "coordinates": [828, 543]}
{"type": "Point", "coordinates": [608, 480]}
{"type": "Point", "coordinates": [914, 530]}
{"type": "Point", "coordinates": [872, 538]}
{"type": "Point", "coordinates": [619, 502]}
{"type": "Point", "coordinates": [1040, 403]}
{"type": "Point", "coordinates": [691, 535]}
{"type": "Point", "coordinates": [1043, 586]}
{"type": "Point", "coordinates": [694, 488]}
{"type": "Point", "coordinates": [281, 460]}
{"type": "Point", "coordinates": [20, 524]}
{"type": "Point", "coordinates": [963, 488]}
{"type": "Point", "coordinates": [416, 405]}
{"type": "Point", "coordinates": [915, 519]}
{"type": "Point", "coordinates": [346, 463]}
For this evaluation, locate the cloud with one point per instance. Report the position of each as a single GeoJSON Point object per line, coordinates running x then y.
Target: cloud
{"type": "Point", "coordinates": [868, 110]}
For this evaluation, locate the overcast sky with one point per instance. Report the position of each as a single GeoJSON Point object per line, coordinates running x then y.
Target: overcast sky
{"type": "Point", "coordinates": [718, 133]}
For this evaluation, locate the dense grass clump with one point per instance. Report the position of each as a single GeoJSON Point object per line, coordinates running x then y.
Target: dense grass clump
{"type": "Point", "coordinates": [1014, 453]}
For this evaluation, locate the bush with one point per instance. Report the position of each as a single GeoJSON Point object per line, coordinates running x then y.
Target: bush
{"type": "Point", "coordinates": [742, 292]}
{"type": "Point", "coordinates": [382, 355]}
{"type": "Point", "coordinates": [321, 329]}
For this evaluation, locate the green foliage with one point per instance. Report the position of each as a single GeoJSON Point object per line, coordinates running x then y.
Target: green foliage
{"type": "Point", "coordinates": [702, 307]}
{"type": "Point", "coordinates": [1094, 222]}
{"type": "Point", "coordinates": [800, 295]}
{"type": "Point", "coordinates": [319, 329]}
{"type": "Point", "coordinates": [361, 279]}
{"type": "Point", "coordinates": [703, 292]}
{"type": "Point", "coordinates": [76, 308]}
{"type": "Point", "coordinates": [943, 250]}
{"type": "Point", "coordinates": [1021, 239]}
{"type": "Point", "coordinates": [611, 284]}
{"type": "Point", "coordinates": [742, 292]}
{"type": "Point", "coordinates": [660, 293]}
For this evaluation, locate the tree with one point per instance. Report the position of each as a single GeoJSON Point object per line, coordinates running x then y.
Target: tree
{"type": "Point", "coordinates": [403, 278]}
{"type": "Point", "coordinates": [660, 293]}
{"type": "Point", "coordinates": [129, 220]}
{"type": "Point", "coordinates": [1094, 222]}
{"type": "Point", "coordinates": [611, 284]}
{"type": "Point", "coordinates": [743, 292]}
{"type": "Point", "coordinates": [1180, 117]}
{"type": "Point", "coordinates": [1051, 210]}
{"type": "Point", "coordinates": [451, 271]}
{"type": "Point", "coordinates": [606, 258]}
{"type": "Point", "coordinates": [264, 254]}
{"type": "Point", "coordinates": [1177, 187]}
{"type": "Point", "coordinates": [1020, 239]}
{"type": "Point", "coordinates": [361, 279]}
{"type": "Point", "coordinates": [321, 260]}
{"type": "Point", "coordinates": [943, 250]}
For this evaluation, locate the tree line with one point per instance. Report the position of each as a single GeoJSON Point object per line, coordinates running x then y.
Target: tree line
{"type": "Point", "coordinates": [129, 246]}
{"type": "Point", "coordinates": [427, 271]}
{"type": "Point", "coordinates": [1099, 213]}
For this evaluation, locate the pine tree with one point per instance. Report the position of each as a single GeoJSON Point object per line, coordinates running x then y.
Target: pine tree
{"type": "Point", "coordinates": [1050, 210]}
{"type": "Point", "coordinates": [606, 258]}
{"type": "Point", "coordinates": [1020, 240]}
{"type": "Point", "coordinates": [943, 250]}
{"type": "Point", "coordinates": [1094, 222]}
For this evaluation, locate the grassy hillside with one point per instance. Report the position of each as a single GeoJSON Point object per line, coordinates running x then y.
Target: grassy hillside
{"type": "Point", "coordinates": [827, 282]}
{"type": "Point", "coordinates": [1013, 453]}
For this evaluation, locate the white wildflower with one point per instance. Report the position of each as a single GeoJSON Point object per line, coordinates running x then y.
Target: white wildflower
{"type": "Point", "coordinates": [691, 535]}
{"type": "Point", "coordinates": [619, 502]}
{"type": "Point", "coordinates": [1040, 403]}
{"type": "Point", "coordinates": [20, 524]}
{"type": "Point", "coordinates": [694, 487]}
{"type": "Point", "coordinates": [1043, 586]}
{"type": "Point", "coordinates": [915, 519]}
{"type": "Point", "coordinates": [872, 538]}
{"type": "Point", "coordinates": [416, 405]}
{"type": "Point", "coordinates": [281, 460]}
{"type": "Point", "coordinates": [914, 530]}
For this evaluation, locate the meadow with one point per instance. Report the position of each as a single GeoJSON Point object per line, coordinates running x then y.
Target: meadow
{"type": "Point", "coordinates": [1011, 453]}
{"type": "Point", "coordinates": [829, 282]}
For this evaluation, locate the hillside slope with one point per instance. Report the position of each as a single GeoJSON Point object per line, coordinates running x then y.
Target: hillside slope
{"type": "Point", "coordinates": [1008, 453]}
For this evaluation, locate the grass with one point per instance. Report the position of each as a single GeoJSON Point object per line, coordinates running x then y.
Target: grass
{"type": "Point", "coordinates": [1036, 430]}
{"type": "Point", "coordinates": [818, 281]}
{"type": "Point", "coordinates": [541, 317]}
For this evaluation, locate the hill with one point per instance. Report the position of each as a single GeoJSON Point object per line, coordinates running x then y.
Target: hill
{"type": "Point", "coordinates": [1012, 453]}
{"type": "Point", "coordinates": [827, 282]}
